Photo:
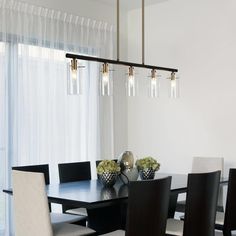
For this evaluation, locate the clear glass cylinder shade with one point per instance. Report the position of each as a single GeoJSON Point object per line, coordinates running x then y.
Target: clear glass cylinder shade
{"type": "Point", "coordinates": [106, 83]}
{"type": "Point", "coordinates": [154, 87]}
{"type": "Point", "coordinates": [174, 88]}
{"type": "Point", "coordinates": [131, 84]}
{"type": "Point", "coordinates": [74, 85]}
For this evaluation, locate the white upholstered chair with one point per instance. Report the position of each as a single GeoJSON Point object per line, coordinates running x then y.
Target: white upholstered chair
{"type": "Point", "coordinates": [31, 212]}
{"type": "Point", "coordinates": [55, 217]}
{"type": "Point", "coordinates": [206, 164]}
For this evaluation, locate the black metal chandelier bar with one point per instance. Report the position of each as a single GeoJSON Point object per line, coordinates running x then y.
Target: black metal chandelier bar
{"type": "Point", "coordinates": [118, 62]}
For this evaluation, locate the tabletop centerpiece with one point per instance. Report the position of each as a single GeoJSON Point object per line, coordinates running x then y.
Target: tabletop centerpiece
{"type": "Point", "coordinates": [129, 171]}
{"type": "Point", "coordinates": [108, 171]}
{"type": "Point", "coordinates": [147, 167]}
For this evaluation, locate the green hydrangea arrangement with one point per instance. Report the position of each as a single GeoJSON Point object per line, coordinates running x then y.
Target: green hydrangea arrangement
{"type": "Point", "coordinates": [146, 163]}
{"type": "Point", "coordinates": [108, 166]}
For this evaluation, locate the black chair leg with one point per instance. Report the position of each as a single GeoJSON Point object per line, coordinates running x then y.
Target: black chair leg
{"type": "Point", "coordinates": [227, 233]}
{"type": "Point", "coordinates": [172, 204]}
{"type": "Point", "coordinates": [103, 220]}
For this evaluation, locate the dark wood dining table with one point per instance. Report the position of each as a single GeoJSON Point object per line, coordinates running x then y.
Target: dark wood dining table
{"type": "Point", "coordinates": [107, 206]}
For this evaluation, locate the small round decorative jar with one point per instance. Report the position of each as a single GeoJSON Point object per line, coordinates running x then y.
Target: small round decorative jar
{"type": "Point", "coordinates": [148, 173]}
{"type": "Point", "coordinates": [108, 179]}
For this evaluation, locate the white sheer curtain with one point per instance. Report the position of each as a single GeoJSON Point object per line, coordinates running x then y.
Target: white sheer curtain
{"type": "Point", "coordinates": [2, 138]}
{"type": "Point", "coordinates": [39, 122]}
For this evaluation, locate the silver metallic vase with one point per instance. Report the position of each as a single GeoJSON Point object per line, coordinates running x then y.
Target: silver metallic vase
{"type": "Point", "coordinates": [127, 164]}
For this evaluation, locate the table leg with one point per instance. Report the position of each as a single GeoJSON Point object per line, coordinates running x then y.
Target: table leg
{"type": "Point", "coordinates": [105, 219]}
{"type": "Point", "coordinates": [110, 218]}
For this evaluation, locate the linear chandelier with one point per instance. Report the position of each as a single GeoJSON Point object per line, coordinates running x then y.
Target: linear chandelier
{"type": "Point", "coordinates": [74, 82]}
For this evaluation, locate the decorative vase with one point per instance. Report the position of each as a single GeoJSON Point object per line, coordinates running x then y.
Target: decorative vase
{"type": "Point", "coordinates": [148, 173]}
{"type": "Point", "coordinates": [128, 171]}
{"type": "Point", "coordinates": [108, 179]}
{"type": "Point", "coordinates": [129, 175]}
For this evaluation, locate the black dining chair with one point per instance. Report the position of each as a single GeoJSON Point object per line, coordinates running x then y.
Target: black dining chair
{"type": "Point", "coordinates": [55, 217]}
{"type": "Point", "coordinates": [147, 208]}
{"type": "Point", "coordinates": [227, 221]}
{"type": "Point", "coordinates": [201, 165]}
{"type": "Point", "coordinates": [201, 203]}
{"type": "Point", "coordinates": [74, 171]}
{"type": "Point", "coordinates": [44, 168]}
{"type": "Point", "coordinates": [71, 172]}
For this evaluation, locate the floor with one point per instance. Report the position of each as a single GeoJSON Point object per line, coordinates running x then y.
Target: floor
{"type": "Point", "coordinates": [217, 233]}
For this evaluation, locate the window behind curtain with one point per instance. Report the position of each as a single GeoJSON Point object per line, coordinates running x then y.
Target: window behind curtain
{"type": "Point", "coordinates": [39, 122]}
{"type": "Point", "coordinates": [51, 127]}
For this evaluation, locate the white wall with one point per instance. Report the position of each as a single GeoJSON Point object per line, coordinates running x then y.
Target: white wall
{"type": "Point", "coordinates": [197, 37]}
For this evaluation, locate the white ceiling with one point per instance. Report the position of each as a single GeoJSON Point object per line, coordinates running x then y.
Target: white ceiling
{"type": "Point", "coordinates": [131, 4]}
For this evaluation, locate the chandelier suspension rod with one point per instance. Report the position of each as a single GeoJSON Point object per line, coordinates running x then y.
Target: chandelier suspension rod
{"type": "Point", "coordinates": [143, 32]}
{"type": "Point", "coordinates": [124, 63]}
{"type": "Point", "coordinates": [118, 29]}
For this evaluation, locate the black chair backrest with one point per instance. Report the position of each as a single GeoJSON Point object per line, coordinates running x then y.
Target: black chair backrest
{"type": "Point", "coordinates": [201, 203]}
{"type": "Point", "coordinates": [148, 207]}
{"type": "Point", "coordinates": [36, 168]}
{"type": "Point", "coordinates": [230, 209]}
{"type": "Point", "coordinates": [76, 171]}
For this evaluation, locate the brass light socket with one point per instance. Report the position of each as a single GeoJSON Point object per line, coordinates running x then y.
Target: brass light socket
{"type": "Point", "coordinates": [105, 68]}
{"type": "Point", "coordinates": [131, 71]}
{"type": "Point", "coordinates": [154, 74]}
{"type": "Point", "coordinates": [74, 64]}
{"type": "Point", "coordinates": [172, 76]}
